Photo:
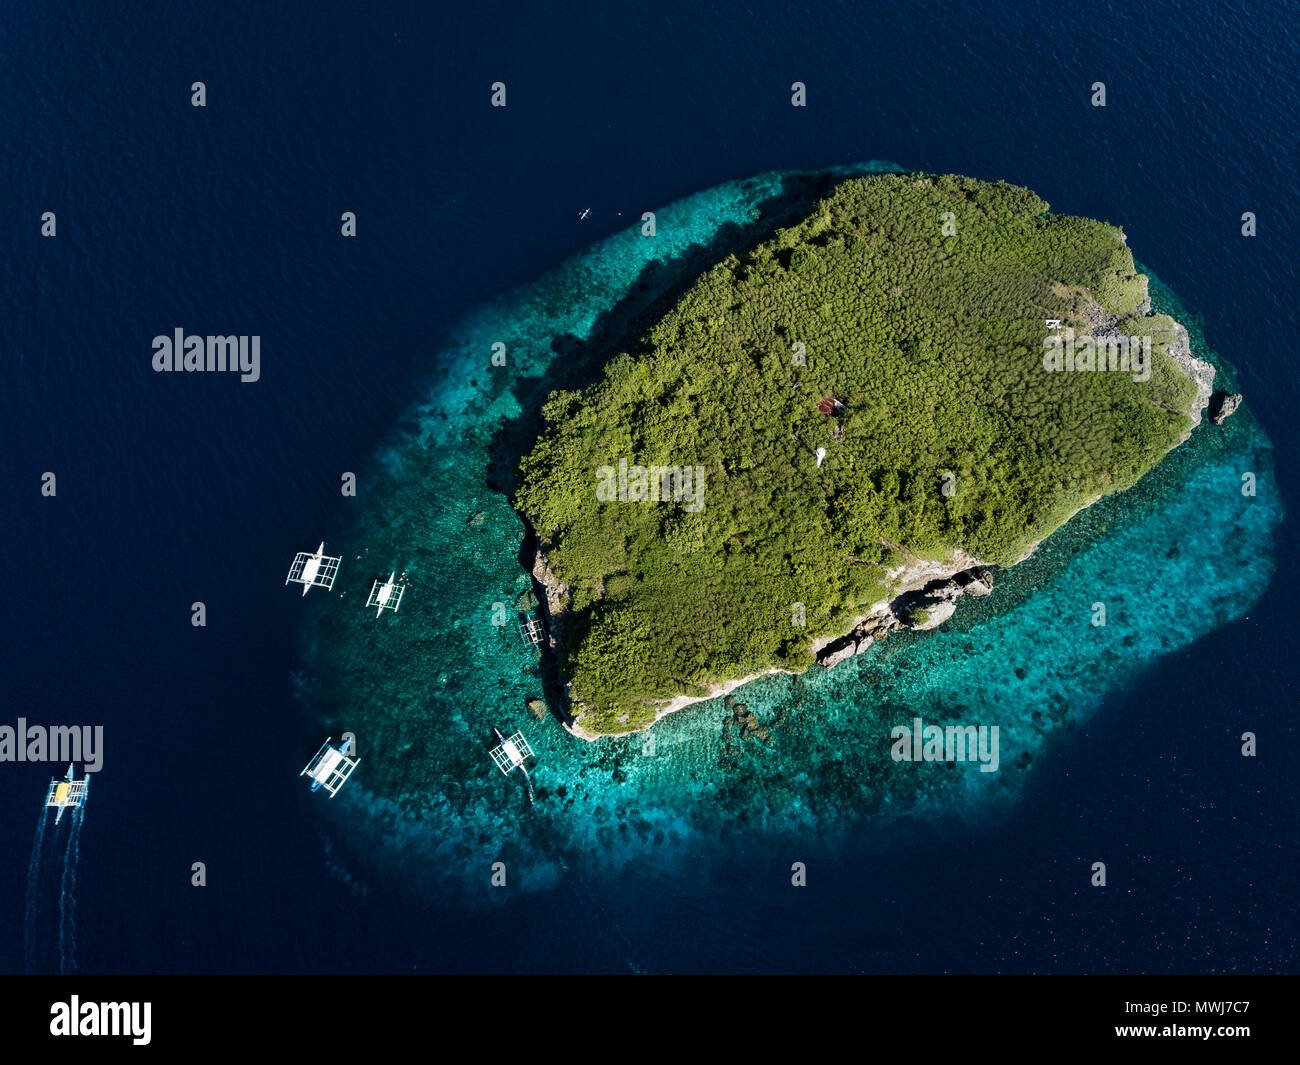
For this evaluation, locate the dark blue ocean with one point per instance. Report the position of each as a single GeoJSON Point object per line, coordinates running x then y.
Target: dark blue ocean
{"type": "Point", "coordinates": [173, 489]}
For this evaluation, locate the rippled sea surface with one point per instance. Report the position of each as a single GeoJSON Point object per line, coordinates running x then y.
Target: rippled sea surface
{"type": "Point", "coordinates": [1118, 744]}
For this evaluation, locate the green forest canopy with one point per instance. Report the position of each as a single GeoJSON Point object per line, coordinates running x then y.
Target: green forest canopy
{"type": "Point", "coordinates": [933, 343]}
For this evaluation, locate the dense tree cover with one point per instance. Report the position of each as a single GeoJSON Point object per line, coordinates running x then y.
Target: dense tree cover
{"type": "Point", "coordinates": [933, 342]}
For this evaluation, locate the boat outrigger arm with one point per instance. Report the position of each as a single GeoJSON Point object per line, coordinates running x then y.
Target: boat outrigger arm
{"type": "Point", "coordinates": [65, 793]}
{"type": "Point", "coordinates": [531, 630]}
{"type": "Point", "coordinates": [331, 767]}
{"type": "Point", "coordinates": [386, 595]}
{"type": "Point", "coordinates": [510, 753]}
{"type": "Point", "coordinates": [313, 571]}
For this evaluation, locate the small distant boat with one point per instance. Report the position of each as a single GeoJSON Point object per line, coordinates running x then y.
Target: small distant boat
{"type": "Point", "coordinates": [316, 570]}
{"type": "Point", "coordinates": [583, 213]}
{"type": "Point", "coordinates": [65, 793]}
{"type": "Point", "coordinates": [331, 767]}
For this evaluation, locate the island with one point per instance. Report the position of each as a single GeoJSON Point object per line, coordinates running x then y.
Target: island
{"type": "Point", "coordinates": [837, 434]}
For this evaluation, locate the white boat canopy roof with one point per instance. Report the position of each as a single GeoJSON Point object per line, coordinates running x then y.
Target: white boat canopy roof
{"type": "Point", "coordinates": [330, 768]}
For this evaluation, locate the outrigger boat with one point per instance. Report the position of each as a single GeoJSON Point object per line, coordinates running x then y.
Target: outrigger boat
{"type": "Point", "coordinates": [383, 597]}
{"type": "Point", "coordinates": [331, 767]}
{"type": "Point", "coordinates": [531, 629]}
{"type": "Point", "coordinates": [65, 793]}
{"type": "Point", "coordinates": [510, 754]}
{"type": "Point", "coordinates": [313, 571]}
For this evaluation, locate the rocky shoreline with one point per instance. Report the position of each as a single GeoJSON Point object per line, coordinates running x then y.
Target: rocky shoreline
{"type": "Point", "coordinates": [928, 597]}
{"type": "Point", "coordinates": [921, 609]}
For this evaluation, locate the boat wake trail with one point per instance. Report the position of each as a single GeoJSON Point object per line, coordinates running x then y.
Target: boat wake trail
{"type": "Point", "coordinates": [68, 898]}
{"type": "Point", "coordinates": [33, 893]}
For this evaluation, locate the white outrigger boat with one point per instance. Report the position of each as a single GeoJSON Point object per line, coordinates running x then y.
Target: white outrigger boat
{"type": "Point", "coordinates": [331, 767]}
{"type": "Point", "coordinates": [313, 571]}
{"type": "Point", "coordinates": [531, 630]}
{"type": "Point", "coordinates": [65, 793]}
{"type": "Point", "coordinates": [510, 754]}
{"type": "Point", "coordinates": [386, 596]}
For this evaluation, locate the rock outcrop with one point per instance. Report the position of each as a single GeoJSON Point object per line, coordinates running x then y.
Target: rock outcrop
{"type": "Point", "coordinates": [923, 608]}
{"type": "Point", "coordinates": [1223, 405]}
{"type": "Point", "coordinates": [556, 604]}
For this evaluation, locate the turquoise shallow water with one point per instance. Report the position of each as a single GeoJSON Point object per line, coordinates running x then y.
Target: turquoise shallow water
{"type": "Point", "coordinates": [1173, 559]}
